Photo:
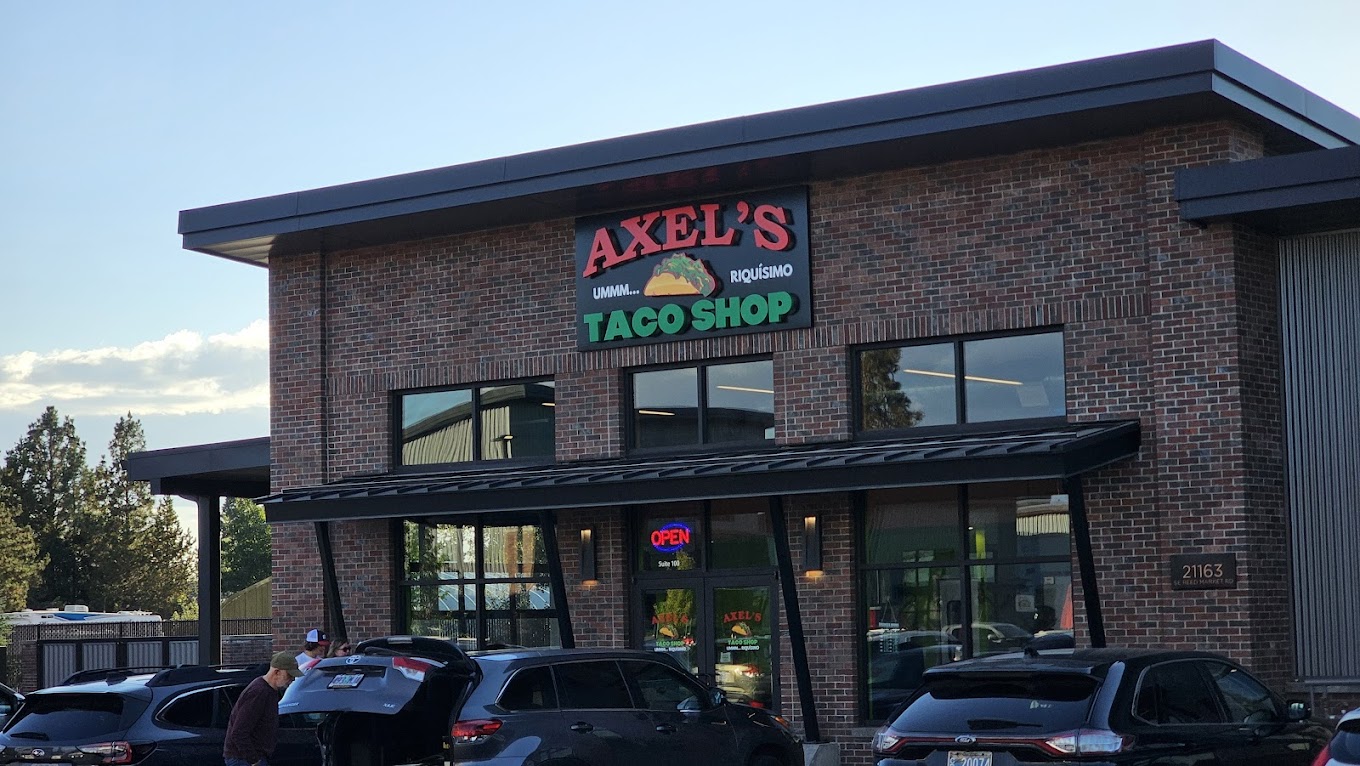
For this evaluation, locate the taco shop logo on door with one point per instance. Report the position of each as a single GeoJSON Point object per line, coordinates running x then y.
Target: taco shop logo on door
{"type": "Point", "coordinates": [711, 267]}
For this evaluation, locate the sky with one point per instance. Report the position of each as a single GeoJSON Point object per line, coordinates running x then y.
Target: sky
{"type": "Point", "coordinates": [116, 116]}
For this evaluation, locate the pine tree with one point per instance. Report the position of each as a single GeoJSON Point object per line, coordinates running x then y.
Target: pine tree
{"type": "Point", "coordinates": [20, 564]}
{"type": "Point", "coordinates": [44, 481]}
{"type": "Point", "coordinates": [885, 406]}
{"type": "Point", "coordinates": [245, 545]}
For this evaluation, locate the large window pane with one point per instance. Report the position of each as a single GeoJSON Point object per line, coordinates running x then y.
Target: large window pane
{"type": "Point", "coordinates": [448, 611]}
{"type": "Point", "coordinates": [517, 420]}
{"type": "Point", "coordinates": [519, 614]}
{"type": "Point", "coordinates": [440, 551]}
{"type": "Point", "coordinates": [908, 386]}
{"type": "Point", "coordinates": [666, 408]}
{"type": "Point", "coordinates": [514, 552]}
{"type": "Point", "coordinates": [912, 525]}
{"type": "Point", "coordinates": [908, 610]}
{"type": "Point", "coordinates": [740, 404]}
{"type": "Point", "coordinates": [436, 427]}
{"type": "Point", "coordinates": [1015, 603]}
{"type": "Point", "coordinates": [1017, 520]}
{"type": "Point", "coordinates": [1014, 377]}
{"type": "Point", "coordinates": [741, 535]}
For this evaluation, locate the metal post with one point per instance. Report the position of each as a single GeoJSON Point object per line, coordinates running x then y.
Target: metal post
{"type": "Point", "coordinates": [335, 611]}
{"type": "Point", "coordinates": [209, 578]}
{"type": "Point", "coordinates": [1081, 526]}
{"type": "Point", "coordinates": [789, 588]}
{"type": "Point", "coordinates": [556, 579]}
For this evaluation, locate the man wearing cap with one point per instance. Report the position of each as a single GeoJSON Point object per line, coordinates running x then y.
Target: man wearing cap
{"type": "Point", "coordinates": [253, 727]}
{"type": "Point", "coordinates": [313, 647]}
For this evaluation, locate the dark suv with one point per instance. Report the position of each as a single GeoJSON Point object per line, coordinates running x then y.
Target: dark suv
{"type": "Point", "coordinates": [1097, 706]}
{"type": "Point", "coordinates": [146, 717]}
{"type": "Point", "coordinates": [409, 700]}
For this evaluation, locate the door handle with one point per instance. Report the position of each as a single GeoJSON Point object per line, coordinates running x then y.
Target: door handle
{"type": "Point", "coordinates": [582, 727]}
{"type": "Point", "coordinates": [665, 728]}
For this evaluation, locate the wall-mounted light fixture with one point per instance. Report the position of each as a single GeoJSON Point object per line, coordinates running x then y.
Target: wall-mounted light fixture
{"type": "Point", "coordinates": [588, 573]}
{"type": "Point", "coordinates": [812, 543]}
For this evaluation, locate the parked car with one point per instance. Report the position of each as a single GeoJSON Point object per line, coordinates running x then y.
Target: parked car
{"type": "Point", "coordinates": [416, 700]}
{"type": "Point", "coordinates": [991, 637]}
{"type": "Point", "coordinates": [1344, 747]}
{"type": "Point", "coordinates": [144, 717]}
{"type": "Point", "coordinates": [1097, 706]}
{"type": "Point", "coordinates": [9, 700]}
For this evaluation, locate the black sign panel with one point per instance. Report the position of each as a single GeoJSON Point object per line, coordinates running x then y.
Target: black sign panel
{"type": "Point", "coordinates": [1199, 571]}
{"type": "Point", "coordinates": [703, 268]}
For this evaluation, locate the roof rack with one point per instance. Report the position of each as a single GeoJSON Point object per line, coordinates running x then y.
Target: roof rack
{"type": "Point", "coordinates": [167, 675]}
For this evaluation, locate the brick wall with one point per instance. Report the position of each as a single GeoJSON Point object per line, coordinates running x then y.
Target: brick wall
{"type": "Point", "coordinates": [1164, 321]}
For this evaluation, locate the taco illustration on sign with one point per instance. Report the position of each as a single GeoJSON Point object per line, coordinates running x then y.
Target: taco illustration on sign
{"type": "Point", "coordinates": [680, 274]}
{"type": "Point", "coordinates": [741, 629]}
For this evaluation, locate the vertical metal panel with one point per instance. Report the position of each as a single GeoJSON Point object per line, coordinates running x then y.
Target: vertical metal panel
{"type": "Point", "coordinates": [1320, 332]}
{"type": "Point", "coordinates": [183, 652]}
{"type": "Point", "coordinates": [144, 654]}
{"type": "Point", "coordinates": [98, 654]}
{"type": "Point", "coordinates": [59, 662]}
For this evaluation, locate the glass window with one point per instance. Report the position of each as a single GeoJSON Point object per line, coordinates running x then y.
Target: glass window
{"type": "Point", "coordinates": [193, 710]}
{"type": "Point", "coordinates": [1010, 705]}
{"type": "Point", "coordinates": [740, 534]}
{"type": "Point", "coordinates": [662, 688]}
{"type": "Point", "coordinates": [512, 421]}
{"type": "Point", "coordinates": [479, 584]}
{"type": "Point", "coordinates": [670, 538]}
{"type": "Point", "coordinates": [912, 525]}
{"type": "Point", "coordinates": [1007, 378]}
{"type": "Point", "coordinates": [938, 584]}
{"type": "Point", "coordinates": [712, 404]}
{"type": "Point", "coordinates": [530, 689]}
{"type": "Point", "coordinates": [71, 717]}
{"type": "Point", "coordinates": [592, 685]}
{"type": "Point", "coordinates": [1247, 700]}
{"type": "Point", "coordinates": [1176, 693]}
{"type": "Point", "coordinates": [1017, 520]}
{"type": "Point", "coordinates": [1014, 378]}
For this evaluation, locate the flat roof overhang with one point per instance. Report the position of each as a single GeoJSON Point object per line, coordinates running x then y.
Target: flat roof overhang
{"type": "Point", "coordinates": [225, 469]}
{"type": "Point", "coordinates": [1296, 194]}
{"type": "Point", "coordinates": [1084, 101]}
{"type": "Point", "coordinates": [1057, 452]}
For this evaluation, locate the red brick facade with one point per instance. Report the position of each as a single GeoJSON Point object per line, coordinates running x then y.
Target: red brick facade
{"type": "Point", "coordinates": [1163, 321]}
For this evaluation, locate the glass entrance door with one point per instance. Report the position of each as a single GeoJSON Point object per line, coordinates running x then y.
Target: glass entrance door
{"type": "Point", "coordinates": [722, 630]}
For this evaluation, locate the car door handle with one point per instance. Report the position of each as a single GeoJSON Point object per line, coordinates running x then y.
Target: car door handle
{"type": "Point", "coordinates": [582, 727]}
{"type": "Point", "coordinates": [665, 728]}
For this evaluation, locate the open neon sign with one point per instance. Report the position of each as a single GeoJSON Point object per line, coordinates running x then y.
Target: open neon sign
{"type": "Point", "coordinates": [671, 537]}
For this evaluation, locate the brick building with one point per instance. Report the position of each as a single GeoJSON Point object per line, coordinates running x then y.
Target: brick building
{"type": "Point", "coordinates": [818, 398]}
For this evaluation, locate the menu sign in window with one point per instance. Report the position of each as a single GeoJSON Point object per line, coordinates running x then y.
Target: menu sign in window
{"type": "Point", "coordinates": [702, 268]}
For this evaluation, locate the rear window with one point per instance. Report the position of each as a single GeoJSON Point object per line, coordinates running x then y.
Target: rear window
{"type": "Point", "coordinates": [981, 704]}
{"type": "Point", "coordinates": [1345, 747]}
{"type": "Point", "coordinates": [72, 717]}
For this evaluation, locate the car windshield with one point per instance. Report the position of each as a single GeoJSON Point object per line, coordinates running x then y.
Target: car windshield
{"type": "Point", "coordinates": [1345, 746]}
{"type": "Point", "coordinates": [975, 703]}
{"type": "Point", "coordinates": [1010, 631]}
{"type": "Point", "coordinates": [71, 717]}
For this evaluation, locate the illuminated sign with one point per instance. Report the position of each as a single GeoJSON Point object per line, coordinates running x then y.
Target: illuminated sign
{"type": "Point", "coordinates": [704, 268]}
{"type": "Point", "coordinates": [671, 537]}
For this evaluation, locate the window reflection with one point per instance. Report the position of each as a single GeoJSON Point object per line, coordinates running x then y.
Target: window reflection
{"type": "Point", "coordinates": [1008, 378]}
{"type": "Point", "coordinates": [740, 403]}
{"type": "Point", "coordinates": [512, 421]}
{"type": "Point", "coordinates": [666, 407]}
{"type": "Point", "coordinates": [736, 405]}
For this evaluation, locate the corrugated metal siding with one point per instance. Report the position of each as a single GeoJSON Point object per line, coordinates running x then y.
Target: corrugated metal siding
{"type": "Point", "coordinates": [1320, 308]}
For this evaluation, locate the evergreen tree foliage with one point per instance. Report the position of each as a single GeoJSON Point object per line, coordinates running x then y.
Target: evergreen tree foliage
{"type": "Point", "coordinates": [245, 545]}
{"type": "Point", "coordinates": [44, 481]}
{"type": "Point", "coordinates": [20, 565]}
{"type": "Point", "coordinates": [885, 405]}
{"type": "Point", "coordinates": [108, 542]}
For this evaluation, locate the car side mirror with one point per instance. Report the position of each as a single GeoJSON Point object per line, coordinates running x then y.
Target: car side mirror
{"type": "Point", "coordinates": [1297, 711]}
{"type": "Point", "coordinates": [716, 696]}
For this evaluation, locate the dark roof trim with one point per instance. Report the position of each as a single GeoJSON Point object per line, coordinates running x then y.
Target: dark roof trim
{"type": "Point", "coordinates": [1295, 194]}
{"type": "Point", "coordinates": [225, 469]}
{"type": "Point", "coordinates": [1050, 453]}
{"type": "Point", "coordinates": [1118, 95]}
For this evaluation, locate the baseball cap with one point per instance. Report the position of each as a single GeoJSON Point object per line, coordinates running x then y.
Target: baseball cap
{"type": "Point", "coordinates": [316, 636]}
{"type": "Point", "coordinates": [286, 661]}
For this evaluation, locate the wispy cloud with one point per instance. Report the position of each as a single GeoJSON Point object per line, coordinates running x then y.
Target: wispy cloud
{"type": "Point", "coordinates": [183, 373]}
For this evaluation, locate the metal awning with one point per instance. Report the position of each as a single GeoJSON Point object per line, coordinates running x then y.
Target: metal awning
{"type": "Point", "coordinates": [1055, 452]}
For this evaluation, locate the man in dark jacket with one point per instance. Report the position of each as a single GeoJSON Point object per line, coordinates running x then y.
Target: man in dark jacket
{"type": "Point", "coordinates": [253, 727]}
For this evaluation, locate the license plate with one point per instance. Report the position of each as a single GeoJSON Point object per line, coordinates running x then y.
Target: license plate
{"type": "Point", "coordinates": [968, 758]}
{"type": "Point", "coordinates": [345, 681]}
